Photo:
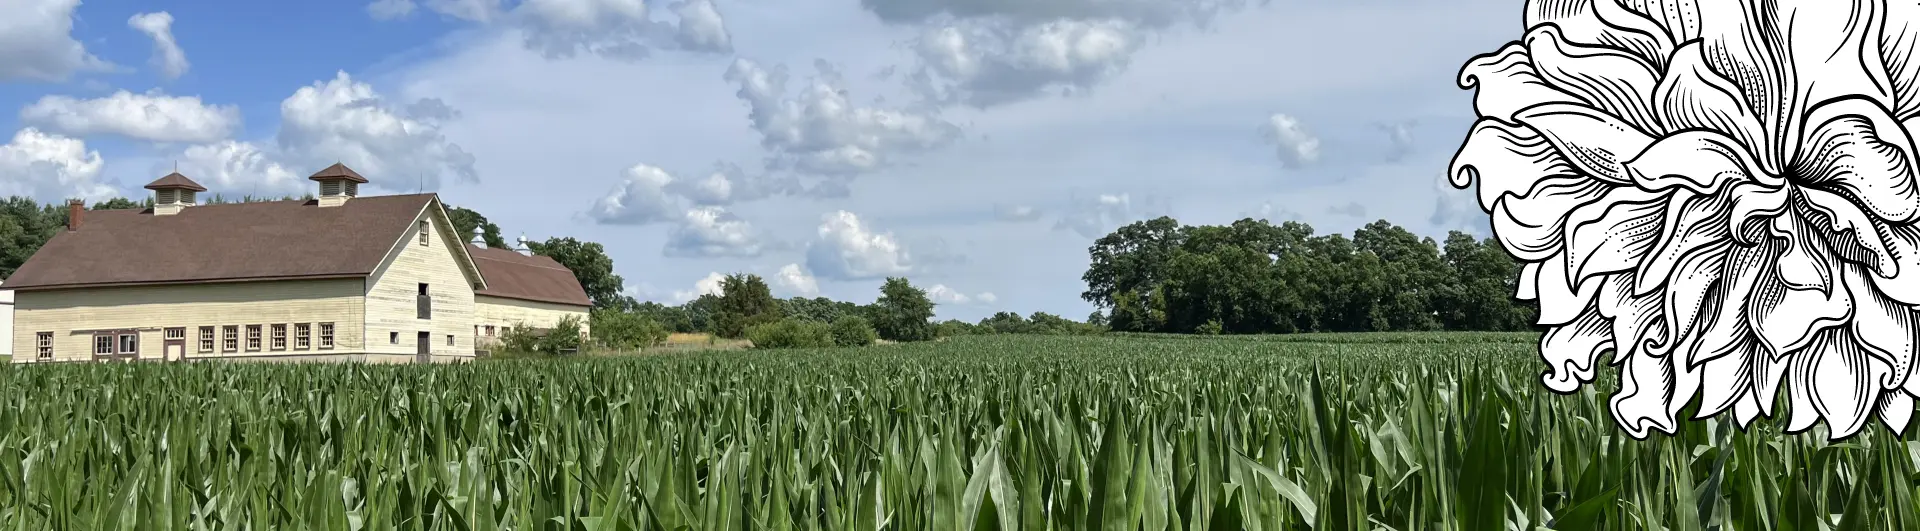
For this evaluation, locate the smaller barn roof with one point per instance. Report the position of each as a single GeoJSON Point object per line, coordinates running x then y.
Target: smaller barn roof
{"type": "Point", "coordinates": [512, 275]}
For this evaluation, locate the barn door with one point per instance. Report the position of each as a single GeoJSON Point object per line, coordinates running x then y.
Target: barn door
{"type": "Point", "coordinates": [423, 348]}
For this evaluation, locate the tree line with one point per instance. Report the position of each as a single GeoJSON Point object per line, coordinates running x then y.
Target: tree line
{"type": "Point", "coordinates": [1255, 277]}
{"type": "Point", "coordinates": [1157, 275]}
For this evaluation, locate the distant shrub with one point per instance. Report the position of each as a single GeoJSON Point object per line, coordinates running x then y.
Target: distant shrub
{"type": "Point", "coordinates": [853, 331]}
{"type": "Point", "coordinates": [564, 337]}
{"type": "Point", "coordinates": [953, 327]}
{"type": "Point", "coordinates": [1210, 328]}
{"type": "Point", "coordinates": [622, 330]}
{"type": "Point", "coordinates": [791, 333]}
{"type": "Point", "coordinates": [517, 340]}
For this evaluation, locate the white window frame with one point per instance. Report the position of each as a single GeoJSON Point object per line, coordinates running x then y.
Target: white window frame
{"type": "Point", "coordinates": [229, 338]}
{"type": "Point", "coordinates": [253, 338]}
{"type": "Point", "coordinates": [302, 336]}
{"type": "Point", "coordinates": [129, 342]}
{"type": "Point", "coordinates": [103, 344]}
{"type": "Point", "coordinates": [326, 336]}
{"type": "Point", "coordinates": [279, 337]}
{"type": "Point", "coordinates": [206, 339]}
{"type": "Point", "coordinates": [44, 345]}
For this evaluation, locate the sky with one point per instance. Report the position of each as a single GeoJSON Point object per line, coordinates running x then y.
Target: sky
{"type": "Point", "coordinates": [975, 147]}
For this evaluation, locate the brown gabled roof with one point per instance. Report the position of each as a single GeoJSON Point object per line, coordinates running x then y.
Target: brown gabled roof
{"type": "Point", "coordinates": [338, 171]}
{"type": "Point", "coordinates": [175, 181]}
{"type": "Point", "coordinates": [511, 275]}
{"type": "Point", "coordinates": [271, 240]}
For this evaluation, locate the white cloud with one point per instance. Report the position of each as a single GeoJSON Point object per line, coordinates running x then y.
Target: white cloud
{"type": "Point", "coordinates": [559, 29]}
{"type": "Point", "coordinates": [985, 64]}
{"type": "Point", "coordinates": [37, 44]}
{"type": "Point", "coordinates": [941, 294]}
{"type": "Point", "coordinates": [820, 131]}
{"type": "Point", "coordinates": [847, 250]}
{"type": "Point", "coordinates": [796, 281]}
{"type": "Point", "coordinates": [236, 169]}
{"type": "Point", "coordinates": [153, 116]}
{"type": "Point", "coordinates": [50, 167]}
{"type": "Point", "coordinates": [648, 194]}
{"type": "Point", "coordinates": [1457, 209]}
{"type": "Point", "coordinates": [1352, 209]}
{"type": "Point", "coordinates": [342, 120]}
{"type": "Point", "coordinates": [713, 232]}
{"type": "Point", "coordinates": [640, 198]}
{"type": "Point", "coordinates": [167, 55]}
{"type": "Point", "coordinates": [991, 52]}
{"type": "Point", "coordinates": [1291, 141]}
{"type": "Point", "coordinates": [1015, 213]}
{"type": "Point", "coordinates": [1273, 214]}
{"type": "Point", "coordinates": [710, 285]}
{"type": "Point", "coordinates": [390, 9]}
{"type": "Point", "coordinates": [1095, 216]}
{"type": "Point", "coordinates": [1399, 139]}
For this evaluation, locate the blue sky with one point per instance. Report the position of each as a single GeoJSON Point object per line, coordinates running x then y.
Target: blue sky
{"type": "Point", "coordinates": [975, 148]}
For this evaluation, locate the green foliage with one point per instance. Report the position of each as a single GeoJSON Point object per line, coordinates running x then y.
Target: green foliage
{"type": "Point", "coordinates": [625, 330]}
{"type": "Point", "coordinates": [791, 333]}
{"type": "Point", "coordinates": [523, 340]}
{"type": "Point", "coordinates": [517, 340]}
{"type": "Point", "coordinates": [819, 309]}
{"type": "Point", "coordinates": [121, 203]}
{"type": "Point", "coordinates": [745, 301]}
{"type": "Point", "coordinates": [1210, 328]}
{"type": "Point", "coordinates": [1041, 323]}
{"type": "Point", "coordinates": [903, 312]}
{"type": "Point", "coordinates": [1000, 432]}
{"type": "Point", "coordinates": [1255, 277]}
{"type": "Point", "coordinates": [672, 318]}
{"type": "Point", "coordinates": [954, 327]}
{"type": "Point", "coordinates": [590, 265]}
{"type": "Point", "coordinates": [853, 331]}
{"type": "Point", "coordinates": [464, 221]}
{"type": "Point", "coordinates": [563, 338]}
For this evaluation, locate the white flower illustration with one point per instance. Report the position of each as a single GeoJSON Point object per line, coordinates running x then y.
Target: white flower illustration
{"type": "Point", "coordinates": [1720, 193]}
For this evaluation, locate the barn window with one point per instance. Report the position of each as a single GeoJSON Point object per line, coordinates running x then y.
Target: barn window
{"type": "Point", "coordinates": [253, 338]}
{"type": "Point", "coordinates": [229, 338]}
{"type": "Point", "coordinates": [44, 342]}
{"type": "Point", "coordinates": [393, 337]}
{"type": "Point", "coordinates": [423, 232]}
{"type": "Point", "coordinates": [449, 340]}
{"type": "Point", "coordinates": [302, 336]}
{"type": "Point", "coordinates": [280, 337]}
{"type": "Point", "coordinates": [102, 345]}
{"type": "Point", "coordinates": [129, 343]}
{"type": "Point", "coordinates": [206, 339]}
{"type": "Point", "coordinates": [326, 335]}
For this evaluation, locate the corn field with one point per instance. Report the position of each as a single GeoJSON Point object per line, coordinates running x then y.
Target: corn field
{"type": "Point", "coordinates": [972, 433]}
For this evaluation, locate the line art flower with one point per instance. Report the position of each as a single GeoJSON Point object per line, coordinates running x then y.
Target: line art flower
{"type": "Point", "coordinates": [1720, 194]}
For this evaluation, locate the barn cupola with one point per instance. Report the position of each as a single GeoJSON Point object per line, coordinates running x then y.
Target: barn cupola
{"type": "Point", "coordinates": [173, 193]}
{"type": "Point", "coordinates": [338, 183]}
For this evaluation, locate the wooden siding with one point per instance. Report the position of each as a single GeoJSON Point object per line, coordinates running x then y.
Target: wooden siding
{"type": "Point", "coordinates": [6, 322]}
{"type": "Point", "coordinates": [71, 316]}
{"type": "Point", "coordinates": [391, 293]}
{"type": "Point", "coordinates": [498, 312]}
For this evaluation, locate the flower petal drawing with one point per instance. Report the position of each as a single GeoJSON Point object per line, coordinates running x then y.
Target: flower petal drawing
{"type": "Point", "coordinates": [1724, 195]}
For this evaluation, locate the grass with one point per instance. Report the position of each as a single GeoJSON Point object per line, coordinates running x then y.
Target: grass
{"type": "Point", "coordinates": [1428, 432]}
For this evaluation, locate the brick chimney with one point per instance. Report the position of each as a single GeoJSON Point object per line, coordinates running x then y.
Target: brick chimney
{"type": "Point", "coordinates": [74, 208]}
